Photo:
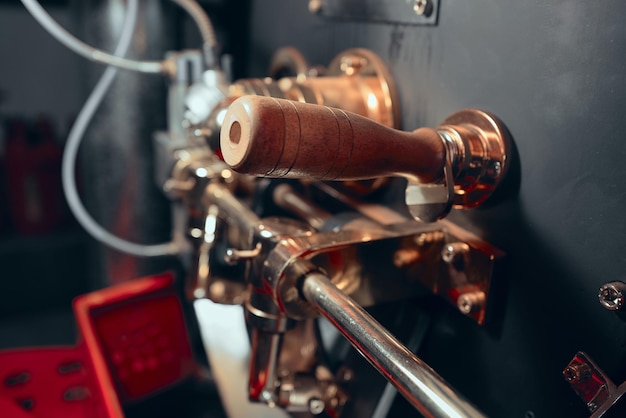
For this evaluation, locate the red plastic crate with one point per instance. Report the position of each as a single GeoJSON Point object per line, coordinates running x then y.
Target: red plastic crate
{"type": "Point", "coordinates": [132, 344]}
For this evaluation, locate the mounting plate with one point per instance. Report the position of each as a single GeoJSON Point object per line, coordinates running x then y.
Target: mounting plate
{"type": "Point", "coordinates": [384, 11]}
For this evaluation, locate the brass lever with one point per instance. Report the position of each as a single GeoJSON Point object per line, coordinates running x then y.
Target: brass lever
{"type": "Point", "coordinates": [270, 137]}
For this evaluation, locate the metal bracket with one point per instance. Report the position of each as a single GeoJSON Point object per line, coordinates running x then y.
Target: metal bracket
{"type": "Point", "coordinates": [375, 265]}
{"type": "Point", "coordinates": [592, 385]}
{"type": "Point", "coordinates": [410, 12]}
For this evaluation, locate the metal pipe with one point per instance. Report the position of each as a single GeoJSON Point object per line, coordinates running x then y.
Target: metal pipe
{"type": "Point", "coordinates": [413, 378]}
{"type": "Point", "coordinates": [233, 209]}
{"type": "Point", "coordinates": [263, 364]}
{"type": "Point", "coordinates": [289, 199]}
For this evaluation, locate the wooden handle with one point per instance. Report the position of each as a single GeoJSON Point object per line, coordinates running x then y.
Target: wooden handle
{"type": "Point", "coordinates": [269, 137]}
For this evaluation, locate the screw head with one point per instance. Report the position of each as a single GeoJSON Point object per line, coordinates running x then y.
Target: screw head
{"type": "Point", "coordinates": [423, 7]}
{"type": "Point", "coordinates": [454, 253]}
{"type": "Point", "coordinates": [494, 169]}
{"type": "Point", "coordinates": [471, 302]}
{"type": "Point", "coordinates": [316, 406]}
{"type": "Point", "coordinates": [447, 254]}
{"type": "Point", "coordinates": [611, 295]}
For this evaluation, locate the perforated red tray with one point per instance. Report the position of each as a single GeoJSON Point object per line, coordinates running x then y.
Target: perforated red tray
{"type": "Point", "coordinates": [132, 344]}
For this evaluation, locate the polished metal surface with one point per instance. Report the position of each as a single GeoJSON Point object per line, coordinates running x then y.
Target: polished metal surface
{"type": "Point", "coordinates": [372, 80]}
{"type": "Point", "coordinates": [116, 160]}
{"type": "Point", "coordinates": [203, 183]}
{"type": "Point", "coordinates": [413, 378]}
{"type": "Point", "coordinates": [351, 257]}
{"type": "Point", "coordinates": [561, 93]}
{"type": "Point", "coordinates": [265, 349]}
{"type": "Point", "coordinates": [594, 387]}
{"type": "Point", "coordinates": [288, 61]}
{"type": "Point", "coordinates": [611, 295]}
{"type": "Point", "coordinates": [357, 80]}
{"type": "Point", "coordinates": [485, 154]}
{"type": "Point", "coordinates": [227, 343]}
{"type": "Point", "coordinates": [429, 202]}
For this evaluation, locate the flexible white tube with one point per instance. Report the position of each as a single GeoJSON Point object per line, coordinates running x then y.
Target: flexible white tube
{"type": "Point", "coordinates": [207, 32]}
{"type": "Point", "coordinates": [81, 48]}
{"type": "Point", "coordinates": [71, 150]}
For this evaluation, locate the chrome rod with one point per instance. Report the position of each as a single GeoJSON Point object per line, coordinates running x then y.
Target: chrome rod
{"type": "Point", "coordinates": [413, 378]}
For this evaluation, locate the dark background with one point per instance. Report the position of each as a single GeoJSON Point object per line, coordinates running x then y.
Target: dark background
{"type": "Point", "coordinates": [553, 71]}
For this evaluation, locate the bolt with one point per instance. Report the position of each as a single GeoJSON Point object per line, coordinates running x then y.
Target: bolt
{"type": "Point", "coordinates": [316, 406]}
{"type": "Point", "coordinates": [315, 6]}
{"type": "Point", "coordinates": [471, 302]}
{"type": "Point", "coordinates": [577, 373]}
{"type": "Point", "coordinates": [454, 253]}
{"type": "Point", "coordinates": [494, 169]}
{"type": "Point", "coordinates": [611, 295]}
{"type": "Point", "coordinates": [423, 7]}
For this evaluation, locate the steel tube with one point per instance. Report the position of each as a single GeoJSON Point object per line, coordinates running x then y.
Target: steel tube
{"type": "Point", "coordinates": [413, 378]}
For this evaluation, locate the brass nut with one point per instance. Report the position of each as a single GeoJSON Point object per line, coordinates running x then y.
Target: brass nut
{"type": "Point", "coordinates": [577, 373]}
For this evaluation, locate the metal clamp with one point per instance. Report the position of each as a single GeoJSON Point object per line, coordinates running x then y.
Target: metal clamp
{"type": "Point", "coordinates": [593, 386]}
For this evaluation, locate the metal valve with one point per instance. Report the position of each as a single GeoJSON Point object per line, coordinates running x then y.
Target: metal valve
{"type": "Point", "coordinates": [460, 163]}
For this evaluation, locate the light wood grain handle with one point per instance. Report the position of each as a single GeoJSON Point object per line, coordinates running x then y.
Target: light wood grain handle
{"type": "Point", "coordinates": [270, 137]}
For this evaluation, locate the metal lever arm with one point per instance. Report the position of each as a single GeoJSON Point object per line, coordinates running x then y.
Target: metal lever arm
{"type": "Point", "coordinates": [271, 137]}
{"type": "Point", "coordinates": [419, 384]}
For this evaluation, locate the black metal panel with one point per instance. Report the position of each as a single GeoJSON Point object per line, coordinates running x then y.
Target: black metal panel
{"type": "Point", "coordinates": [555, 73]}
{"type": "Point", "coordinates": [388, 11]}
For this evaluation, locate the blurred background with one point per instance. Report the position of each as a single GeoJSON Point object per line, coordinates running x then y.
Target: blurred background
{"type": "Point", "coordinates": [45, 256]}
{"type": "Point", "coordinates": [552, 71]}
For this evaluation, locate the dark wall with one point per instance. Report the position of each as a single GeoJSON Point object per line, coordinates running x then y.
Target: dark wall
{"type": "Point", "coordinates": [555, 73]}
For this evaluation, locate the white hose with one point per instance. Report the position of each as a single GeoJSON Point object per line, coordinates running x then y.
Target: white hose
{"type": "Point", "coordinates": [207, 32]}
{"type": "Point", "coordinates": [81, 48]}
{"type": "Point", "coordinates": [196, 12]}
{"type": "Point", "coordinates": [71, 150]}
